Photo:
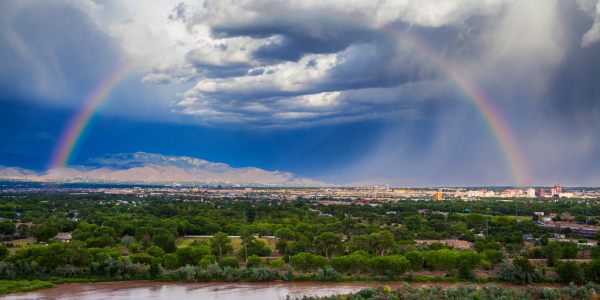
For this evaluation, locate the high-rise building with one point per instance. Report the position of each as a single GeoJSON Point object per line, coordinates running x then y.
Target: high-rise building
{"type": "Point", "coordinates": [541, 193]}
{"type": "Point", "coordinates": [556, 190]}
{"type": "Point", "coordinates": [530, 193]}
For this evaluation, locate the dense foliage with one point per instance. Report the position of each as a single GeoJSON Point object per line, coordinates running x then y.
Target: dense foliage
{"type": "Point", "coordinates": [172, 237]}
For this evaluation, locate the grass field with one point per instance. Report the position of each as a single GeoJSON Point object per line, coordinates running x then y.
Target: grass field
{"type": "Point", "coordinates": [235, 241]}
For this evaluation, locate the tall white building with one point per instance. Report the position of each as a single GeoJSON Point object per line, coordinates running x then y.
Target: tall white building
{"type": "Point", "coordinates": [530, 193]}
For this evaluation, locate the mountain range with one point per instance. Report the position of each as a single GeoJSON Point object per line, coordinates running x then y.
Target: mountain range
{"type": "Point", "coordinates": [141, 167]}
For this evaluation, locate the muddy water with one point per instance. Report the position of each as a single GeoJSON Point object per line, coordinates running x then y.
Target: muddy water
{"type": "Point", "coordinates": [225, 291]}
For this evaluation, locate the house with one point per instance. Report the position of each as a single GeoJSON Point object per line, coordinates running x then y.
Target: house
{"type": "Point", "coordinates": [63, 237]}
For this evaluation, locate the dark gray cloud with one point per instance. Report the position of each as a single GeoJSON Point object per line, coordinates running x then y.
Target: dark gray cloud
{"type": "Point", "coordinates": [51, 50]}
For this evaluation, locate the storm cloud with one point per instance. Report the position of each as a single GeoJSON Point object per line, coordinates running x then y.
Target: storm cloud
{"type": "Point", "coordinates": [272, 65]}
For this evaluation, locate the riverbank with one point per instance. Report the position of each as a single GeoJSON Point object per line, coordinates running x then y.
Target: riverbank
{"type": "Point", "coordinates": [229, 290]}
{"type": "Point", "coordinates": [14, 286]}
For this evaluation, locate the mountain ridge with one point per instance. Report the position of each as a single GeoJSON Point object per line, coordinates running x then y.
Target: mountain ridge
{"type": "Point", "coordinates": [145, 167]}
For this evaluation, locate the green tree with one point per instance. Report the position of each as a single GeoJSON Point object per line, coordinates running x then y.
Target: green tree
{"type": "Point", "coordinates": [221, 244]}
{"type": "Point", "coordinates": [165, 241]}
{"type": "Point", "coordinates": [393, 265]}
{"type": "Point", "coordinates": [569, 271]}
{"type": "Point", "coordinates": [170, 261]}
{"type": "Point", "coordinates": [307, 262]}
{"type": "Point", "coordinates": [191, 255]}
{"type": "Point", "coordinates": [253, 261]}
{"type": "Point", "coordinates": [156, 251]}
{"type": "Point", "coordinates": [7, 227]}
{"type": "Point", "coordinates": [552, 252]}
{"type": "Point", "coordinates": [329, 243]}
{"type": "Point", "coordinates": [382, 242]}
{"type": "Point", "coordinates": [44, 232]}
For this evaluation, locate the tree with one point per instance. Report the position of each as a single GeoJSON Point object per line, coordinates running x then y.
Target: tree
{"type": "Point", "coordinates": [307, 262]}
{"type": "Point", "coordinates": [413, 223]}
{"type": "Point", "coordinates": [466, 262]}
{"type": "Point", "coordinates": [382, 243]}
{"type": "Point", "coordinates": [569, 272]}
{"type": "Point", "coordinates": [7, 227]}
{"type": "Point", "coordinates": [3, 252]}
{"type": "Point", "coordinates": [156, 251]}
{"type": "Point", "coordinates": [256, 247]}
{"type": "Point", "coordinates": [221, 244]}
{"type": "Point", "coordinates": [192, 255]}
{"type": "Point", "coordinates": [165, 241]}
{"type": "Point", "coordinates": [170, 261]}
{"type": "Point", "coordinates": [552, 252]}
{"type": "Point", "coordinates": [415, 259]}
{"type": "Point", "coordinates": [520, 271]}
{"type": "Point", "coordinates": [329, 243]}
{"type": "Point", "coordinates": [253, 261]}
{"type": "Point", "coordinates": [354, 263]}
{"type": "Point", "coordinates": [358, 242]}
{"type": "Point", "coordinates": [285, 233]}
{"type": "Point", "coordinates": [393, 265]}
{"type": "Point", "coordinates": [44, 232]}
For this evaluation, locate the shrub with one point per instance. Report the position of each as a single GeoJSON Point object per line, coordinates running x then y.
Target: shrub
{"type": "Point", "coordinates": [263, 274]}
{"type": "Point", "coordinates": [392, 265]}
{"type": "Point", "coordinates": [156, 251]}
{"type": "Point", "coordinates": [415, 259]}
{"type": "Point", "coordinates": [142, 258]}
{"type": "Point", "coordinates": [231, 274]}
{"type": "Point", "coordinates": [520, 271]}
{"type": "Point", "coordinates": [569, 272]}
{"type": "Point", "coordinates": [327, 274]}
{"type": "Point", "coordinates": [207, 260]}
{"type": "Point", "coordinates": [229, 261]}
{"type": "Point", "coordinates": [170, 261]}
{"type": "Point", "coordinates": [308, 262]}
{"type": "Point", "coordinates": [277, 263]}
{"type": "Point", "coordinates": [253, 261]}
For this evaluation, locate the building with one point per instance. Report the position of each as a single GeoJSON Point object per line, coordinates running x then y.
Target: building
{"type": "Point", "coordinates": [438, 196]}
{"type": "Point", "coordinates": [556, 190]}
{"type": "Point", "coordinates": [541, 193]}
{"type": "Point", "coordinates": [530, 193]}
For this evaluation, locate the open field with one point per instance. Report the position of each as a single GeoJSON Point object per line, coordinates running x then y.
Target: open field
{"type": "Point", "coordinates": [235, 241]}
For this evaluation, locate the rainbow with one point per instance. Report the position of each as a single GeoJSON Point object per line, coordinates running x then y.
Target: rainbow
{"type": "Point", "coordinates": [81, 119]}
{"type": "Point", "coordinates": [498, 127]}
{"type": "Point", "coordinates": [490, 115]}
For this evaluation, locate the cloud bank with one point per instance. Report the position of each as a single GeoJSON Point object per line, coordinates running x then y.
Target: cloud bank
{"type": "Point", "coordinates": [272, 65]}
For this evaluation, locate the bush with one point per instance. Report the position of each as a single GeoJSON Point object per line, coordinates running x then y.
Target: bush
{"type": "Point", "coordinates": [231, 262]}
{"type": "Point", "coordinates": [192, 255]}
{"type": "Point", "coordinates": [170, 261]}
{"type": "Point", "coordinates": [392, 265]}
{"type": "Point", "coordinates": [263, 274]}
{"type": "Point", "coordinates": [415, 259]}
{"type": "Point", "coordinates": [327, 274]}
{"type": "Point", "coordinates": [253, 261]}
{"type": "Point", "coordinates": [520, 271]}
{"type": "Point", "coordinates": [277, 263]}
{"type": "Point", "coordinates": [207, 260]}
{"type": "Point", "coordinates": [156, 251]}
{"type": "Point", "coordinates": [308, 262]}
{"type": "Point", "coordinates": [569, 272]}
{"type": "Point", "coordinates": [231, 274]}
{"type": "Point", "coordinates": [350, 263]}
{"type": "Point", "coordinates": [142, 258]}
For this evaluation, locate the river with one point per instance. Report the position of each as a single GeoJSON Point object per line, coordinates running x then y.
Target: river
{"type": "Point", "coordinates": [218, 290]}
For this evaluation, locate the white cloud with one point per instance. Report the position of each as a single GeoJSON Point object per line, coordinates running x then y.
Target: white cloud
{"type": "Point", "coordinates": [593, 34]}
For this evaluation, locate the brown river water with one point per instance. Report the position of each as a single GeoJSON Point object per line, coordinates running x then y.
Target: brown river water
{"type": "Point", "coordinates": [218, 290]}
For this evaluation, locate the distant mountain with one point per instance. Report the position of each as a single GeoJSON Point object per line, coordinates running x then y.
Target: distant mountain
{"type": "Point", "coordinates": [153, 168]}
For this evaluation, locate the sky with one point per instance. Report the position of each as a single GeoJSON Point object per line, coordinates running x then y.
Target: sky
{"type": "Point", "coordinates": [346, 92]}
